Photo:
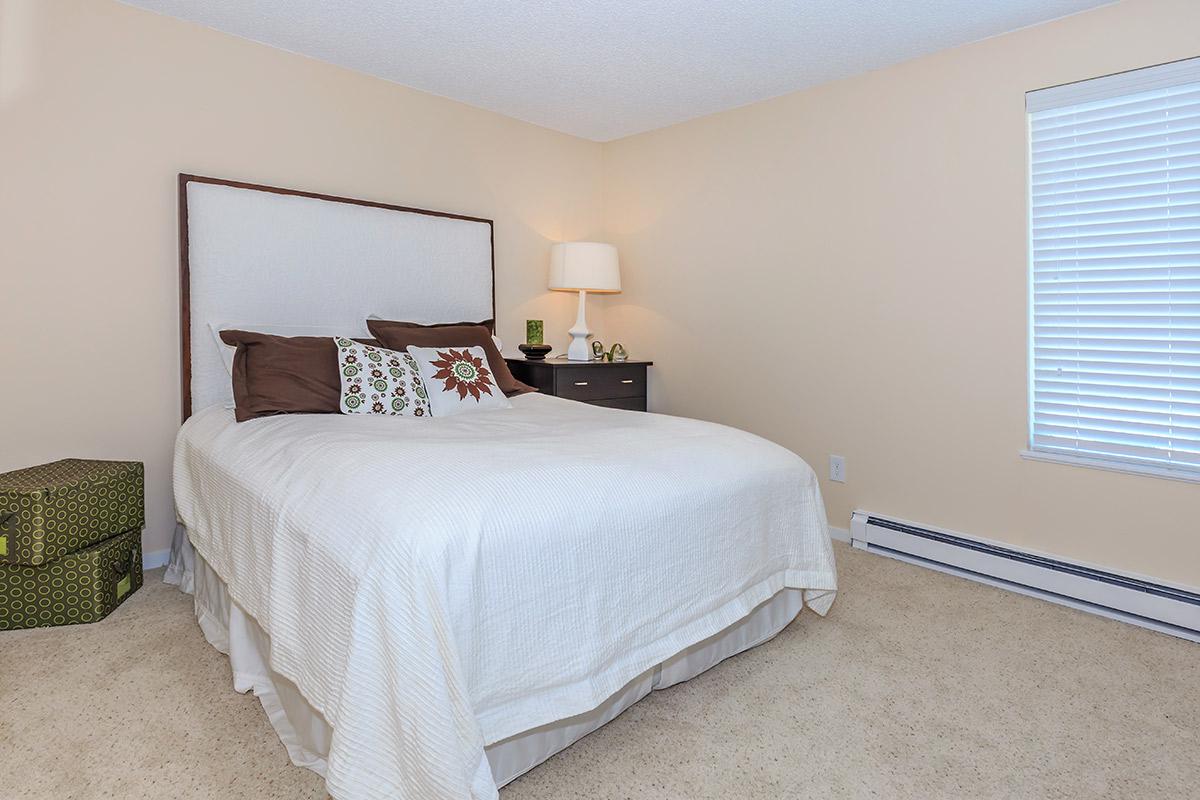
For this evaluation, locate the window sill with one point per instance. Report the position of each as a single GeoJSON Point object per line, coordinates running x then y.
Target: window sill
{"type": "Point", "coordinates": [1186, 476]}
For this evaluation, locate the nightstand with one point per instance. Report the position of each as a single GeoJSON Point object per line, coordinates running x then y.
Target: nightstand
{"type": "Point", "coordinates": [617, 384]}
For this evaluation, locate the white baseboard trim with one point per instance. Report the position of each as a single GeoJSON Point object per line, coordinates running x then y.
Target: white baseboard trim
{"type": "Point", "coordinates": [839, 534]}
{"type": "Point", "coordinates": [156, 559]}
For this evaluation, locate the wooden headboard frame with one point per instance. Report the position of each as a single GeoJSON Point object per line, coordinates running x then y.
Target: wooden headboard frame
{"type": "Point", "coordinates": [185, 326]}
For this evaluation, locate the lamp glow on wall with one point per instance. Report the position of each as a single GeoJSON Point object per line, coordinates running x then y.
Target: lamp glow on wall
{"type": "Point", "coordinates": [583, 267]}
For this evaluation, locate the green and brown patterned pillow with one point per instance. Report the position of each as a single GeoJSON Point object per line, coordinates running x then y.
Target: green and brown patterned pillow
{"type": "Point", "coordinates": [458, 379]}
{"type": "Point", "coordinates": [379, 381]}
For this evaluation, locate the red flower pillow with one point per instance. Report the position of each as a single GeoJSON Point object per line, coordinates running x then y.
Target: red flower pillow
{"type": "Point", "coordinates": [458, 379]}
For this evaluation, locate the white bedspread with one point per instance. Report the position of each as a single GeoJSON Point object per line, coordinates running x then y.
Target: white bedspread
{"type": "Point", "coordinates": [435, 585]}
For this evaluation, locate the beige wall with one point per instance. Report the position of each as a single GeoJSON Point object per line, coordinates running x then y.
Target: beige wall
{"type": "Point", "coordinates": [101, 105]}
{"type": "Point", "coordinates": [843, 270]}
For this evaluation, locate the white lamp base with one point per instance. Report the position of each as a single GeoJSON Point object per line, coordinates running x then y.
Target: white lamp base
{"type": "Point", "coordinates": [578, 350]}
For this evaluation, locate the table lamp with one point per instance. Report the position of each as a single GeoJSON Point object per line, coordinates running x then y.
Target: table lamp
{"type": "Point", "coordinates": [583, 267]}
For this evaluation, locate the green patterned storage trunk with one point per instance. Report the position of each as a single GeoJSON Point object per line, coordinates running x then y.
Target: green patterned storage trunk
{"type": "Point", "coordinates": [54, 509]}
{"type": "Point", "coordinates": [81, 587]}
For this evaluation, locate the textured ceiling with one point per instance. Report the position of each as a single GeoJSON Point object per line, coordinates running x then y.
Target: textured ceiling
{"type": "Point", "coordinates": [603, 69]}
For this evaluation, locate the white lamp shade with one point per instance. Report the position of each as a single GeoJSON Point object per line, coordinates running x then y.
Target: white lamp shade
{"type": "Point", "coordinates": [590, 266]}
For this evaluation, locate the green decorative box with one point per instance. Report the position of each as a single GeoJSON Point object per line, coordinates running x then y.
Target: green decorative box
{"type": "Point", "coordinates": [81, 587]}
{"type": "Point", "coordinates": [52, 510]}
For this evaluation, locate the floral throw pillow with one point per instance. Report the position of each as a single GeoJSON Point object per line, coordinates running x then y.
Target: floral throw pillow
{"type": "Point", "coordinates": [458, 379]}
{"type": "Point", "coordinates": [379, 381]}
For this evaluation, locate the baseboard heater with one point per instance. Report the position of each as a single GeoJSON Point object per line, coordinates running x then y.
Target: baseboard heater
{"type": "Point", "coordinates": [1170, 609]}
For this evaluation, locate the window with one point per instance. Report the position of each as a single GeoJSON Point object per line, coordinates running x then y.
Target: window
{"type": "Point", "coordinates": [1114, 244]}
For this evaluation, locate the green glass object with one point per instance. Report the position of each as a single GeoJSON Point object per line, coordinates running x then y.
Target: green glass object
{"type": "Point", "coordinates": [534, 331]}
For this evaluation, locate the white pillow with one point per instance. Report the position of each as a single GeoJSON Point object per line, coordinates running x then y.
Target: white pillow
{"type": "Point", "coordinates": [379, 381]}
{"type": "Point", "coordinates": [458, 380]}
{"type": "Point", "coordinates": [275, 329]}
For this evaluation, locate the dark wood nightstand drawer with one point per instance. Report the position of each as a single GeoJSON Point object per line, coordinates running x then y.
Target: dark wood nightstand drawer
{"type": "Point", "coordinates": [601, 382]}
{"type": "Point", "coordinates": [628, 403]}
{"type": "Point", "coordinates": [619, 385]}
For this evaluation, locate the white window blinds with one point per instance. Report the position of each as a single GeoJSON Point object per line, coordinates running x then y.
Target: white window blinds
{"type": "Point", "coordinates": [1115, 252]}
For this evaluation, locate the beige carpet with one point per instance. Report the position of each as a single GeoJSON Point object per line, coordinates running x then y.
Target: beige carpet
{"type": "Point", "coordinates": [917, 685]}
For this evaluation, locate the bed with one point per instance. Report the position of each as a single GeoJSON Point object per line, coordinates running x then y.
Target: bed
{"type": "Point", "coordinates": [429, 608]}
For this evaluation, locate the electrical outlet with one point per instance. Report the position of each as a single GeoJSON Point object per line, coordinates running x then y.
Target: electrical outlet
{"type": "Point", "coordinates": [837, 469]}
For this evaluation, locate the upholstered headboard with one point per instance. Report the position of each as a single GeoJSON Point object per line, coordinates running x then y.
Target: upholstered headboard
{"type": "Point", "coordinates": [260, 254]}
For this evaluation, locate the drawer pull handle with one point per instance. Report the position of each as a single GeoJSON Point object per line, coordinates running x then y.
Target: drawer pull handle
{"type": "Point", "coordinates": [629, 380]}
{"type": "Point", "coordinates": [581, 383]}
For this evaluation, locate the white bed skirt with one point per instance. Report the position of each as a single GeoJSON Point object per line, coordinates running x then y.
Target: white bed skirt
{"type": "Point", "coordinates": [306, 734]}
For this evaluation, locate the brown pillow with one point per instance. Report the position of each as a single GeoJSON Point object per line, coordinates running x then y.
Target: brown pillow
{"type": "Point", "coordinates": [490, 324]}
{"type": "Point", "coordinates": [399, 335]}
{"type": "Point", "coordinates": [284, 374]}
